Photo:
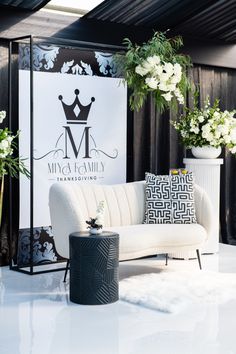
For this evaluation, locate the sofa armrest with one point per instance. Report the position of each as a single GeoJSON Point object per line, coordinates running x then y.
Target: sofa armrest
{"type": "Point", "coordinates": [65, 215]}
{"type": "Point", "coordinates": [204, 209]}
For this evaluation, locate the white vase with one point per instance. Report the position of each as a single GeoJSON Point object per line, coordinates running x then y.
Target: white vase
{"type": "Point", "coordinates": [206, 152]}
{"type": "Point", "coordinates": [94, 231]}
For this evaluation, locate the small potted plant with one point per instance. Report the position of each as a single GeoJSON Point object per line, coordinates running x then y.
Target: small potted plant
{"type": "Point", "coordinates": [205, 131]}
{"type": "Point", "coordinates": [96, 224]}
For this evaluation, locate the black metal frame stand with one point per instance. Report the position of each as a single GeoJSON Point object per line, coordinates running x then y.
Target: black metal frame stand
{"type": "Point", "coordinates": [29, 269]}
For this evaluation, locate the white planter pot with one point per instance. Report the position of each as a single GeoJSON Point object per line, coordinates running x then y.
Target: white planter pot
{"type": "Point", "coordinates": [94, 231]}
{"type": "Point", "coordinates": [206, 152]}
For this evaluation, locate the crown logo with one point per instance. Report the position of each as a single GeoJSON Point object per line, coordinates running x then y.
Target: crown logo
{"type": "Point", "coordinates": [76, 113]}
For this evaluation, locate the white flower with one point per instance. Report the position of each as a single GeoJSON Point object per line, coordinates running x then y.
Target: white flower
{"type": "Point", "coordinates": [227, 139]}
{"type": "Point", "coordinates": [175, 79]}
{"type": "Point", "coordinates": [100, 213]}
{"type": "Point", "coordinates": [169, 68]}
{"type": "Point", "coordinates": [101, 207]}
{"type": "Point", "coordinates": [146, 67]}
{"type": "Point", "coordinates": [206, 128]}
{"type": "Point", "coordinates": [150, 64]}
{"type": "Point", "coordinates": [2, 116]}
{"type": "Point", "coordinates": [157, 70]}
{"type": "Point", "coordinates": [179, 95]}
{"type": "Point", "coordinates": [195, 130]}
{"type": "Point", "coordinates": [201, 119]}
{"type": "Point", "coordinates": [167, 96]}
{"type": "Point", "coordinates": [164, 77]}
{"type": "Point", "coordinates": [177, 69]}
{"type": "Point", "coordinates": [100, 219]}
{"type": "Point", "coordinates": [223, 129]}
{"type": "Point", "coordinates": [233, 150]}
{"type": "Point", "coordinates": [192, 123]}
{"type": "Point", "coordinates": [181, 99]}
{"type": "Point", "coordinates": [217, 134]}
{"type": "Point", "coordinates": [209, 137]}
{"type": "Point", "coordinates": [163, 87]}
{"type": "Point", "coordinates": [4, 144]}
{"type": "Point", "coordinates": [140, 70]}
{"type": "Point", "coordinates": [154, 60]}
{"type": "Point", "coordinates": [151, 82]}
{"type": "Point", "coordinates": [9, 139]}
{"type": "Point", "coordinates": [216, 114]}
{"type": "Point", "coordinates": [233, 135]}
{"type": "Point", "coordinates": [177, 92]}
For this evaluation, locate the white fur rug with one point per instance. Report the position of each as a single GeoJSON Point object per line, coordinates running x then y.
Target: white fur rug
{"type": "Point", "coordinates": [171, 292]}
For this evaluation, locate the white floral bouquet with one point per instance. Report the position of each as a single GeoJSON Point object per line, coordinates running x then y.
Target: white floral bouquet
{"type": "Point", "coordinates": [208, 127]}
{"type": "Point", "coordinates": [155, 67]}
{"type": "Point", "coordinates": [9, 163]}
{"type": "Point", "coordinates": [98, 221]}
{"type": "Point", "coordinates": [162, 76]}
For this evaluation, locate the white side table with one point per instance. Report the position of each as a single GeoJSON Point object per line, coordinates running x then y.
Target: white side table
{"type": "Point", "coordinates": [207, 176]}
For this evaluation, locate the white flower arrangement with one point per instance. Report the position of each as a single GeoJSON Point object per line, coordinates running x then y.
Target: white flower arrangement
{"type": "Point", "coordinates": [162, 76]}
{"type": "Point", "coordinates": [9, 163]}
{"type": "Point", "coordinates": [155, 67]}
{"type": "Point", "coordinates": [208, 127]}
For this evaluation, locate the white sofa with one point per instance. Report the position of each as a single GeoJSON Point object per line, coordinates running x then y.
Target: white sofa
{"type": "Point", "coordinates": [71, 204]}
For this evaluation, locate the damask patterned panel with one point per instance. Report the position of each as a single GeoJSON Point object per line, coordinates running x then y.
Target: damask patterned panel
{"type": "Point", "coordinates": [43, 247]}
{"type": "Point", "coordinates": [75, 61]}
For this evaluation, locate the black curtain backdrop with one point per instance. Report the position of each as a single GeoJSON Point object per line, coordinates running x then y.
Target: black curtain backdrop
{"type": "Point", "coordinates": [156, 147]}
{"type": "Point", "coordinates": [153, 144]}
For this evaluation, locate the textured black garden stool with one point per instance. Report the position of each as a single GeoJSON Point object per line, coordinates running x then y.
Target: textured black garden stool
{"type": "Point", "coordinates": [94, 261]}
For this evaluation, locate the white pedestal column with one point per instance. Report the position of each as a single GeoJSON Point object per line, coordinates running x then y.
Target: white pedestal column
{"type": "Point", "coordinates": [207, 176]}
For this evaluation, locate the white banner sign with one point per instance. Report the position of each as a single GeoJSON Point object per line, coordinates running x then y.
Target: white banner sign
{"type": "Point", "coordinates": [79, 135]}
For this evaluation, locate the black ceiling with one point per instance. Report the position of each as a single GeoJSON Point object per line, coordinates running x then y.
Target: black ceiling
{"type": "Point", "coordinates": [32, 5]}
{"type": "Point", "coordinates": [204, 19]}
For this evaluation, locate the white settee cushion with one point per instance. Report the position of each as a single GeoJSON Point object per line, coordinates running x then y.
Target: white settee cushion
{"type": "Point", "coordinates": [141, 240]}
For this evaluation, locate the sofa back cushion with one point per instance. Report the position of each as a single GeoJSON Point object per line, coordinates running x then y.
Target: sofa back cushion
{"type": "Point", "coordinates": [125, 203]}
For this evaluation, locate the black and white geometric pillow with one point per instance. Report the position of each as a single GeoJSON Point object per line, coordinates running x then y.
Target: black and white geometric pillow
{"type": "Point", "coordinates": [182, 199]}
{"type": "Point", "coordinates": [158, 200]}
{"type": "Point", "coordinates": [170, 199]}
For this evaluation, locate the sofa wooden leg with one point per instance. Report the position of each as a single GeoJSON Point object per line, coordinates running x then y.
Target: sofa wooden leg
{"type": "Point", "coordinates": [166, 259]}
{"type": "Point", "coordinates": [66, 271]}
{"type": "Point", "coordinates": [199, 259]}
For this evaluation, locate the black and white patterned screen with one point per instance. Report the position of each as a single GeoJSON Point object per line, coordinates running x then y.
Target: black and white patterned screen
{"type": "Point", "coordinates": [64, 60]}
{"type": "Point", "coordinates": [170, 199]}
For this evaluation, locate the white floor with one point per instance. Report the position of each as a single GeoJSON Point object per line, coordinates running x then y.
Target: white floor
{"type": "Point", "coordinates": [36, 317]}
